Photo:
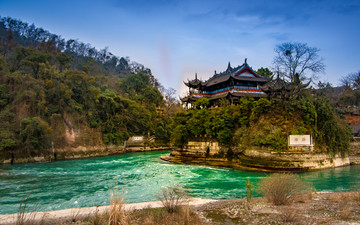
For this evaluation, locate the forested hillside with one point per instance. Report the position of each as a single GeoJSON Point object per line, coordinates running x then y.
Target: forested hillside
{"type": "Point", "coordinates": [57, 93]}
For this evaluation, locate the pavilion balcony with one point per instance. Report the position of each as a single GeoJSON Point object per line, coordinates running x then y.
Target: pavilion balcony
{"type": "Point", "coordinates": [232, 89]}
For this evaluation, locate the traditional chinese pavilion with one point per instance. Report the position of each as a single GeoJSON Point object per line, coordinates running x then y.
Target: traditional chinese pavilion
{"type": "Point", "coordinates": [231, 85]}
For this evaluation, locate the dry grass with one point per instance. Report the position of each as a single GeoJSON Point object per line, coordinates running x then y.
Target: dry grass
{"type": "Point", "coordinates": [346, 212]}
{"type": "Point", "coordinates": [343, 200]}
{"type": "Point", "coordinates": [282, 189]}
{"type": "Point", "coordinates": [96, 218]}
{"type": "Point", "coordinates": [75, 215]}
{"type": "Point", "coordinates": [355, 195]}
{"type": "Point", "coordinates": [117, 214]}
{"type": "Point", "coordinates": [172, 198]}
{"type": "Point", "coordinates": [174, 211]}
{"type": "Point", "coordinates": [337, 197]}
{"type": "Point", "coordinates": [24, 218]}
{"type": "Point", "coordinates": [322, 209]}
{"type": "Point", "coordinates": [302, 198]}
{"type": "Point", "coordinates": [185, 215]}
{"type": "Point", "coordinates": [149, 216]}
{"type": "Point", "coordinates": [346, 196]}
{"type": "Point", "coordinates": [20, 217]}
{"type": "Point", "coordinates": [289, 215]}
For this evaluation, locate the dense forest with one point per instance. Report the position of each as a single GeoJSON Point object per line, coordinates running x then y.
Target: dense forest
{"type": "Point", "coordinates": [57, 93]}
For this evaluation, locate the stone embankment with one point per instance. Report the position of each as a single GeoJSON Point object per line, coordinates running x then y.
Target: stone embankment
{"type": "Point", "coordinates": [354, 159]}
{"type": "Point", "coordinates": [211, 153]}
{"type": "Point", "coordinates": [74, 153]}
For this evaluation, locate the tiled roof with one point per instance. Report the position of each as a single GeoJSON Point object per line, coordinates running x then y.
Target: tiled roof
{"type": "Point", "coordinates": [194, 83]}
{"type": "Point", "coordinates": [217, 79]}
{"type": "Point", "coordinates": [228, 74]}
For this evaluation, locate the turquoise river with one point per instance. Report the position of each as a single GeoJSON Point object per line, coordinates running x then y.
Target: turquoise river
{"type": "Point", "coordinates": [86, 182]}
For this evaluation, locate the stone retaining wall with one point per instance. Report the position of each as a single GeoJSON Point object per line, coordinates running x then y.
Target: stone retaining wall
{"type": "Point", "coordinates": [76, 153]}
{"type": "Point", "coordinates": [261, 159]}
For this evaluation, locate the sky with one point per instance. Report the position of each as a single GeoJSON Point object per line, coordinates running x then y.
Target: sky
{"type": "Point", "coordinates": [177, 39]}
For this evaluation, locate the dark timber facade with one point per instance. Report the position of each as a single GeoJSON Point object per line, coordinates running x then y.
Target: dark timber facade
{"type": "Point", "coordinates": [231, 85]}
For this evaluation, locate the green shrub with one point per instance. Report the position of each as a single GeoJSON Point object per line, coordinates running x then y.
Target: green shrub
{"type": "Point", "coordinates": [34, 134]}
{"type": "Point", "coordinates": [179, 136]}
{"type": "Point", "coordinates": [115, 138]}
{"type": "Point", "coordinates": [277, 141]}
{"type": "Point", "coordinates": [249, 190]}
{"type": "Point", "coordinates": [224, 136]}
{"type": "Point", "coordinates": [202, 103]}
{"type": "Point", "coordinates": [332, 131]}
{"type": "Point", "coordinates": [300, 130]}
{"type": "Point", "coordinates": [4, 96]}
{"type": "Point", "coordinates": [308, 111]}
{"type": "Point", "coordinates": [7, 143]}
{"type": "Point", "coordinates": [259, 106]}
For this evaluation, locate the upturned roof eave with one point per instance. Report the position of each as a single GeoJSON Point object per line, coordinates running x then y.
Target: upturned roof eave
{"type": "Point", "coordinates": [226, 75]}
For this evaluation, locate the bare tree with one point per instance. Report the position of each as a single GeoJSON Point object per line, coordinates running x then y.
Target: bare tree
{"type": "Point", "coordinates": [294, 60]}
{"type": "Point", "coordinates": [351, 81]}
{"type": "Point", "coordinates": [171, 102]}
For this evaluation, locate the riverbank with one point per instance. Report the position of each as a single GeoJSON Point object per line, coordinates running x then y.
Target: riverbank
{"type": "Point", "coordinates": [61, 216]}
{"type": "Point", "coordinates": [262, 160]}
{"type": "Point", "coordinates": [210, 152]}
{"type": "Point", "coordinates": [81, 152]}
{"type": "Point", "coordinates": [313, 208]}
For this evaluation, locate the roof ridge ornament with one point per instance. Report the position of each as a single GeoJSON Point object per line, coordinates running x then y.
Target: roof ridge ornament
{"type": "Point", "coordinates": [195, 76]}
{"type": "Point", "coordinates": [229, 68]}
{"type": "Point", "coordinates": [245, 60]}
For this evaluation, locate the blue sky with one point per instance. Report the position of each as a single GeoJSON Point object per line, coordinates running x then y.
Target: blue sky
{"type": "Point", "coordinates": [177, 39]}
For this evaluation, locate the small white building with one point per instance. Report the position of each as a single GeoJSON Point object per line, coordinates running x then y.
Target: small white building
{"type": "Point", "coordinates": [301, 142]}
{"type": "Point", "coordinates": [135, 141]}
{"type": "Point", "coordinates": [136, 138]}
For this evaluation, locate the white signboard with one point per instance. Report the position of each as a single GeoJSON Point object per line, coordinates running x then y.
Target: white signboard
{"type": "Point", "coordinates": [300, 140]}
{"type": "Point", "coordinates": [138, 138]}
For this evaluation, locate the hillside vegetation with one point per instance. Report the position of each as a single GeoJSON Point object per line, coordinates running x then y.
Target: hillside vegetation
{"type": "Point", "coordinates": [58, 93]}
{"type": "Point", "coordinates": [264, 123]}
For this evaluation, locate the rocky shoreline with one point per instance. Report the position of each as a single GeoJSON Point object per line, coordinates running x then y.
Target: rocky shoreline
{"type": "Point", "coordinates": [77, 153]}
{"type": "Point", "coordinates": [263, 160]}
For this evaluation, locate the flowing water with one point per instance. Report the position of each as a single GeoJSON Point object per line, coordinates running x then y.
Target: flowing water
{"type": "Point", "coordinates": [87, 182]}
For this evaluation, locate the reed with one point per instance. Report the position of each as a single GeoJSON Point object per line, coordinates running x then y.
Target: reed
{"type": "Point", "coordinates": [172, 198]}
{"type": "Point", "coordinates": [117, 214]}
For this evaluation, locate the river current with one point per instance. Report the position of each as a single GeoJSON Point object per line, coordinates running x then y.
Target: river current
{"type": "Point", "coordinates": [87, 182]}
